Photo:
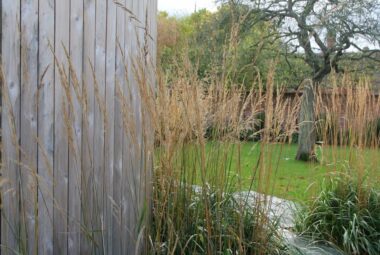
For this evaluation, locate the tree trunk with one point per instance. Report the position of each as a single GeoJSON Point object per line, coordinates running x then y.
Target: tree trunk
{"type": "Point", "coordinates": [307, 136]}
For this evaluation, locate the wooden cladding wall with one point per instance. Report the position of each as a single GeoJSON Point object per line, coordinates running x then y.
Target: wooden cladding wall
{"type": "Point", "coordinates": [76, 144]}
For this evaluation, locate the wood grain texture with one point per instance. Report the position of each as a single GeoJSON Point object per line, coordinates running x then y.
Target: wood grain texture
{"type": "Point", "coordinates": [110, 127]}
{"type": "Point", "coordinates": [87, 245]}
{"type": "Point", "coordinates": [73, 134]}
{"type": "Point", "coordinates": [118, 134]}
{"type": "Point", "coordinates": [11, 60]}
{"type": "Point", "coordinates": [46, 126]}
{"type": "Point", "coordinates": [99, 121]}
{"type": "Point", "coordinates": [126, 141]}
{"type": "Point", "coordinates": [29, 82]}
{"type": "Point", "coordinates": [61, 173]}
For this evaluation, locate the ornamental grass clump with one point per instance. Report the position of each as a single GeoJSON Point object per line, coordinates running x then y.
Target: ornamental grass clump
{"type": "Point", "coordinates": [347, 214]}
{"type": "Point", "coordinates": [198, 166]}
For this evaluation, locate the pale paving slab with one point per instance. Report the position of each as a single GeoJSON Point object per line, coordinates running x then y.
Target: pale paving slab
{"type": "Point", "coordinates": [282, 211]}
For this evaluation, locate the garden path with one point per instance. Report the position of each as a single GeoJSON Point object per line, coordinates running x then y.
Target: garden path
{"type": "Point", "coordinates": [283, 212]}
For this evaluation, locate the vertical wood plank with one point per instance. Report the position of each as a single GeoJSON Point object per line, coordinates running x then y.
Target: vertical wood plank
{"type": "Point", "coordinates": [126, 187]}
{"type": "Point", "coordinates": [87, 244]}
{"type": "Point", "coordinates": [154, 32]}
{"type": "Point", "coordinates": [110, 127]}
{"type": "Point", "coordinates": [46, 127]}
{"type": "Point", "coordinates": [140, 188]}
{"type": "Point", "coordinates": [135, 160]}
{"type": "Point", "coordinates": [84, 139]}
{"type": "Point", "coordinates": [10, 124]}
{"type": "Point", "coordinates": [29, 81]}
{"type": "Point", "coordinates": [75, 145]}
{"type": "Point", "coordinates": [62, 41]}
{"type": "Point", "coordinates": [140, 166]}
{"type": "Point", "coordinates": [99, 126]}
{"type": "Point", "coordinates": [118, 134]}
{"type": "Point", "coordinates": [137, 171]}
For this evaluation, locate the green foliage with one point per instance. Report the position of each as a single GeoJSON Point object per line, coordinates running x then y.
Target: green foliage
{"type": "Point", "coordinates": [346, 213]}
{"type": "Point", "coordinates": [213, 222]}
{"type": "Point", "coordinates": [170, 41]}
{"type": "Point", "coordinates": [224, 43]}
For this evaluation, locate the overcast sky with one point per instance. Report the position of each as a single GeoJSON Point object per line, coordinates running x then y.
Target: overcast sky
{"type": "Point", "coordinates": [183, 7]}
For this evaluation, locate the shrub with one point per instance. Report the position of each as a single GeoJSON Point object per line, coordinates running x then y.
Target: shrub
{"type": "Point", "coordinates": [346, 213]}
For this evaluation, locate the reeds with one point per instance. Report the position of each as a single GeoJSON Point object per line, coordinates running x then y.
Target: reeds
{"type": "Point", "coordinates": [346, 211]}
{"type": "Point", "coordinates": [198, 155]}
{"type": "Point", "coordinates": [197, 166]}
{"type": "Point", "coordinates": [193, 127]}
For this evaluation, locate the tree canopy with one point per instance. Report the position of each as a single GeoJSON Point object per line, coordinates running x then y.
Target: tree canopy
{"type": "Point", "coordinates": [224, 43]}
{"type": "Point", "coordinates": [243, 37]}
{"type": "Point", "coordinates": [324, 31]}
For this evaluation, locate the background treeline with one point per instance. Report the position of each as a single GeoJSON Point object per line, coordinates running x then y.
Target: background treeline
{"type": "Point", "coordinates": [230, 44]}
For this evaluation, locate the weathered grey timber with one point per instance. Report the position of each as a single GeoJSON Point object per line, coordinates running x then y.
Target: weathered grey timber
{"type": "Point", "coordinates": [75, 157]}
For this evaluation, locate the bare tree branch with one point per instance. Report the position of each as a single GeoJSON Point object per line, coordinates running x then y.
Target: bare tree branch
{"type": "Point", "coordinates": [311, 21]}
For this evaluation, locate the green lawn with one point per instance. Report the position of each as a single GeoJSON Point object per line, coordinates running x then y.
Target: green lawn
{"type": "Point", "coordinates": [297, 180]}
{"type": "Point", "coordinates": [289, 178]}
{"type": "Point", "coordinates": [283, 175]}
